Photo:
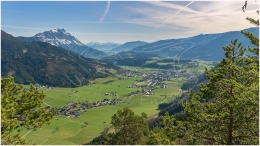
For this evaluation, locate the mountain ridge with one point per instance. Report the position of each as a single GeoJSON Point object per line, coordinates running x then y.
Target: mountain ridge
{"type": "Point", "coordinates": [206, 47]}
{"type": "Point", "coordinates": [61, 38]}
{"type": "Point", "coordinates": [129, 45]}
{"type": "Point", "coordinates": [45, 64]}
{"type": "Point", "coordinates": [106, 47]}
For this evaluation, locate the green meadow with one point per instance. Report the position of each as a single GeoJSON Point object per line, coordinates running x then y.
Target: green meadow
{"type": "Point", "coordinates": [201, 68]}
{"type": "Point", "coordinates": [143, 69]}
{"type": "Point", "coordinates": [195, 70]}
{"type": "Point", "coordinates": [63, 130]}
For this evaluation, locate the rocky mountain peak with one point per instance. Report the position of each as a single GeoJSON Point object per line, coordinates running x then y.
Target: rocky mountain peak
{"type": "Point", "coordinates": [58, 37]}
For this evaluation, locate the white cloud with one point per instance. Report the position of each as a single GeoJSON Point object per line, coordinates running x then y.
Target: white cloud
{"type": "Point", "coordinates": [172, 18]}
{"type": "Point", "coordinates": [106, 11]}
{"type": "Point", "coordinates": [174, 15]}
{"type": "Point", "coordinates": [203, 17]}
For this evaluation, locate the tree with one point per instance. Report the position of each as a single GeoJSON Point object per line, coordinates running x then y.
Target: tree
{"type": "Point", "coordinates": [226, 110]}
{"type": "Point", "coordinates": [255, 41]}
{"type": "Point", "coordinates": [162, 136]}
{"type": "Point", "coordinates": [157, 139]}
{"type": "Point", "coordinates": [129, 128]}
{"type": "Point", "coordinates": [20, 109]}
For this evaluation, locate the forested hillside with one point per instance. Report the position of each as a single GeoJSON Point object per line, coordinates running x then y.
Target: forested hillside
{"type": "Point", "coordinates": [40, 62]}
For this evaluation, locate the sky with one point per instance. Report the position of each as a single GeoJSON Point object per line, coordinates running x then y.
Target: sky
{"type": "Point", "coordinates": [124, 21]}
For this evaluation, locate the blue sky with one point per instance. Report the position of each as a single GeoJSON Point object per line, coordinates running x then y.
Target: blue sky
{"type": "Point", "coordinates": [122, 21]}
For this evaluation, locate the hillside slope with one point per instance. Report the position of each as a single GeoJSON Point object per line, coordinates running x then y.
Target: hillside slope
{"type": "Point", "coordinates": [43, 63]}
{"type": "Point", "coordinates": [129, 45]}
{"type": "Point", "coordinates": [206, 47]}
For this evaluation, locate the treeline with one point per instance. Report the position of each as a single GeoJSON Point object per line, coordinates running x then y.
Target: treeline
{"type": "Point", "coordinates": [130, 58]}
{"type": "Point", "coordinates": [193, 84]}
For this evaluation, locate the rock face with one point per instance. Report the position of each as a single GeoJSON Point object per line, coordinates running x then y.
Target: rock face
{"type": "Point", "coordinates": [61, 38]}
{"type": "Point", "coordinates": [58, 37]}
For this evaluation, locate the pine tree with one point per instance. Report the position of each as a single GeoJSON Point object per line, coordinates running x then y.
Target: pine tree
{"type": "Point", "coordinates": [129, 128]}
{"type": "Point", "coordinates": [20, 109]}
{"type": "Point", "coordinates": [157, 139]}
{"type": "Point", "coordinates": [254, 40]}
{"type": "Point", "coordinates": [226, 110]}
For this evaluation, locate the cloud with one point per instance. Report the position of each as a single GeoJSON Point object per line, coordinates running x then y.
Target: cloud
{"type": "Point", "coordinates": [174, 15]}
{"type": "Point", "coordinates": [106, 11]}
{"type": "Point", "coordinates": [200, 17]}
{"type": "Point", "coordinates": [143, 17]}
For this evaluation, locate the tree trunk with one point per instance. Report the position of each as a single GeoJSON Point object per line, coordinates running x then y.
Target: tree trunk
{"type": "Point", "coordinates": [230, 128]}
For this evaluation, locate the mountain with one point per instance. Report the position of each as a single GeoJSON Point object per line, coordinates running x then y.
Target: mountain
{"type": "Point", "coordinates": [45, 64]}
{"type": "Point", "coordinates": [129, 45]}
{"type": "Point", "coordinates": [130, 58]}
{"type": "Point", "coordinates": [61, 38]}
{"type": "Point", "coordinates": [105, 47]}
{"type": "Point", "coordinates": [204, 46]}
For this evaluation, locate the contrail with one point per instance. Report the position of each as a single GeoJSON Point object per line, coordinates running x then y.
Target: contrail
{"type": "Point", "coordinates": [107, 9]}
{"type": "Point", "coordinates": [174, 15]}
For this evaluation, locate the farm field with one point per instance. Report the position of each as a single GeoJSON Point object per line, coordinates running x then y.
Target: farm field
{"type": "Point", "coordinates": [67, 130]}
{"type": "Point", "coordinates": [195, 70]}
{"type": "Point", "coordinates": [201, 68]}
{"type": "Point", "coordinates": [63, 130]}
{"type": "Point", "coordinates": [144, 69]}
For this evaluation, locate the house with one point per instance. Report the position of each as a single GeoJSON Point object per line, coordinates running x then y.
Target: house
{"type": "Point", "coordinates": [76, 114]}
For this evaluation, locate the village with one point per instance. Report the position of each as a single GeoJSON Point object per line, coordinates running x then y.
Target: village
{"type": "Point", "coordinates": [146, 86]}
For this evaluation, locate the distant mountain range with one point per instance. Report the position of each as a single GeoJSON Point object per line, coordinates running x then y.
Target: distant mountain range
{"type": "Point", "coordinates": [204, 46]}
{"type": "Point", "coordinates": [61, 38]}
{"type": "Point", "coordinates": [45, 64]}
{"type": "Point", "coordinates": [129, 45]}
{"type": "Point", "coordinates": [105, 47]}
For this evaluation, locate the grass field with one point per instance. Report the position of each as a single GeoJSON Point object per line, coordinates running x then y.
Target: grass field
{"type": "Point", "coordinates": [63, 130]}
{"type": "Point", "coordinates": [201, 68]}
{"type": "Point", "coordinates": [197, 70]}
{"type": "Point", "coordinates": [143, 69]}
{"type": "Point", "coordinates": [60, 96]}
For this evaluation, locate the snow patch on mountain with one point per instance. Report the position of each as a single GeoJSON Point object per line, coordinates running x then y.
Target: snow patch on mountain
{"type": "Point", "coordinates": [58, 37]}
{"type": "Point", "coordinates": [103, 46]}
